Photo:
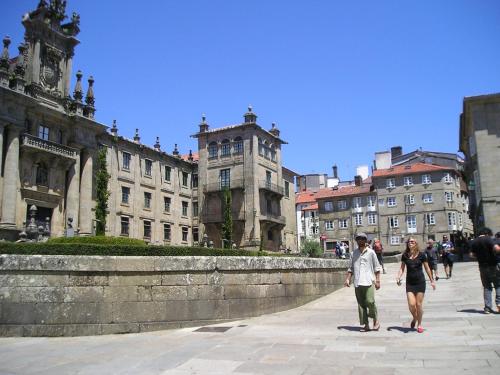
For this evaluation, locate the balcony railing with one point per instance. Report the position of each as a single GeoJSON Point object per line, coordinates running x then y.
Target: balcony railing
{"type": "Point", "coordinates": [48, 146]}
{"type": "Point", "coordinates": [219, 186]}
{"type": "Point", "coordinates": [277, 219]}
{"type": "Point", "coordinates": [219, 217]}
{"type": "Point", "coordinates": [266, 185]}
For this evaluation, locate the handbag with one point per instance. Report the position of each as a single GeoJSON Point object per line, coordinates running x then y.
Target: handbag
{"type": "Point", "coordinates": [451, 257]}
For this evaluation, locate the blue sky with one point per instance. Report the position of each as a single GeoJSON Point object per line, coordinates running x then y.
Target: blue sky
{"type": "Point", "coordinates": [341, 79]}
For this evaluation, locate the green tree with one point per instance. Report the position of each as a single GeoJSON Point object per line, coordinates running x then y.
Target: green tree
{"type": "Point", "coordinates": [311, 249]}
{"type": "Point", "coordinates": [227, 225]}
{"type": "Point", "coordinates": [102, 192]}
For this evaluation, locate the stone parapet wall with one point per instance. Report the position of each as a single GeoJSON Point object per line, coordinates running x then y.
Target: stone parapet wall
{"type": "Point", "coordinates": [95, 295]}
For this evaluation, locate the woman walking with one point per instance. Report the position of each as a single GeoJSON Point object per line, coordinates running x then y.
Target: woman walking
{"type": "Point", "coordinates": [415, 261]}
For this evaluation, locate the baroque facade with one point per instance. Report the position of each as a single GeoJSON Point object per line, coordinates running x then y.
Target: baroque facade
{"type": "Point", "coordinates": [50, 140]}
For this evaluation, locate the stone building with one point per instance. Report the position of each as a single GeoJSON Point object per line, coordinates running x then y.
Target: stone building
{"type": "Point", "coordinates": [479, 140]}
{"type": "Point", "coordinates": [307, 216]}
{"type": "Point", "coordinates": [50, 140]}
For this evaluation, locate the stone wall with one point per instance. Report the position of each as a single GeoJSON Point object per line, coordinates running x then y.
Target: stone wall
{"type": "Point", "coordinates": [94, 295]}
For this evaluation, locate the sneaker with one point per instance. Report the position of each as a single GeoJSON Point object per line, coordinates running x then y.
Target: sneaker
{"type": "Point", "coordinates": [488, 310]}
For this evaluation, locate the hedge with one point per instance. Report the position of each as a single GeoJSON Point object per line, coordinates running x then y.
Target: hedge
{"type": "Point", "coordinates": [120, 250]}
{"type": "Point", "coordinates": [98, 240]}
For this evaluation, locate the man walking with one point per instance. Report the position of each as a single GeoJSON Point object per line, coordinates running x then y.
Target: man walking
{"type": "Point", "coordinates": [485, 250]}
{"type": "Point", "coordinates": [365, 269]}
{"type": "Point", "coordinates": [448, 249]}
{"type": "Point", "coordinates": [432, 258]}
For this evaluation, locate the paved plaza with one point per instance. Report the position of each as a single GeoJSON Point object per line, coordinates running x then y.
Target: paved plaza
{"type": "Point", "coordinates": [321, 337]}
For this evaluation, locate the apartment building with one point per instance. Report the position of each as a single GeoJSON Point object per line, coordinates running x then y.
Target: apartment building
{"type": "Point", "coordinates": [307, 217]}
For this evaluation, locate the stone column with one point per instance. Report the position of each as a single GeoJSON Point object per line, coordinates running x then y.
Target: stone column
{"type": "Point", "coordinates": [85, 221]}
{"type": "Point", "coordinates": [2, 127]}
{"type": "Point", "coordinates": [10, 179]}
{"type": "Point", "coordinates": [73, 194]}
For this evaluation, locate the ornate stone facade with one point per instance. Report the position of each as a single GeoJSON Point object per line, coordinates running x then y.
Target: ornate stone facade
{"type": "Point", "coordinates": [50, 139]}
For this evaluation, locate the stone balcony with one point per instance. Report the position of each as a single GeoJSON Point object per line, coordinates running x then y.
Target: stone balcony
{"type": "Point", "coordinates": [273, 188]}
{"type": "Point", "coordinates": [30, 142]}
{"type": "Point", "coordinates": [219, 186]}
{"type": "Point", "coordinates": [219, 217]}
{"type": "Point", "coordinates": [275, 219]}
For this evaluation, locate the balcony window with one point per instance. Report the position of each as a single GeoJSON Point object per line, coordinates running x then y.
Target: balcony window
{"type": "Point", "coordinates": [147, 229]}
{"type": "Point", "coordinates": [126, 157]}
{"type": "Point", "coordinates": [167, 173]}
{"type": "Point", "coordinates": [329, 225]}
{"type": "Point", "coordinates": [371, 202]}
{"type": "Point", "coordinates": [411, 223]}
{"type": "Point", "coordinates": [147, 200]}
{"type": "Point", "coordinates": [125, 194]}
{"type": "Point", "coordinates": [185, 179]}
{"type": "Point", "coordinates": [408, 181]}
{"type": "Point", "coordinates": [430, 219]}
{"type": "Point", "coordinates": [195, 209]}
{"type": "Point", "coordinates": [452, 219]}
{"type": "Point", "coordinates": [391, 201]}
{"type": "Point", "coordinates": [185, 206]}
{"type": "Point", "coordinates": [426, 179]}
{"type": "Point", "coordinates": [447, 178]}
{"type": "Point", "coordinates": [328, 206]}
{"type": "Point", "coordinates": [225, 178]}
{"type": "Point", "coordinates": [343, 223]}
{"type": "Point", "coordinates": [342, 204]}
{"type": "Point", "coordinates": [185, 231]}
{"type": "Point", "coordinates": [42, 175]}
{"type": "Point", "coordinates": [357, 202]}
{"type": "Point", "coordinates": [358, 219]}
{"type": "Point", "coordinates": [393, 222]}
{"type": "Point", "coordinates": [372, 218]}
{"type": "Point", "coordinates": [225, 148]}
{"type": "Point", "coordinates": [167, 232]}
{"type": "Point", "coordinates": [212, 150]}
{"type": "Point", "coordinates": [196, 236]}
{"type": "Point", "coordinates": [268, 179]}
{"type": "Point", "coordinates": [287, 189]}
{"type": "Point", "coordinates": [194, 180]}
{"type": "Point", "coordinates": [167, 203]}
{"type": "Point", "coordinates": [390, 183]}
{"type": "Point", "coordinates": [238, 145]}
{"type": "Point", "coordinates": [448, 195]}
{"type": "Point", "coordinates": [427, 198]}
{"type": "Point", "coordinates": [410, 199]}
{"type": "Point", "coordinates": [43, 132]}
{"type": "Point", "coordinates": [148, 164]}
{"type": "Point", "coordinates": [124, 229]}
{"type": "Point", "coordinates": [395, 240]}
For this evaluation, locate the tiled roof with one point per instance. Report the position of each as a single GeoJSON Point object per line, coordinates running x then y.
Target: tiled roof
{"type": "Point", "coordinates": [344, 191]}
{"type": "Point", "coordinates": [196, 157]}
{"type": "Point", "coordinates": [409, 169]}
{"type": "Point", "coordinates": [305, 197]}
{"type": "Point", "coordinates": [311, 207]}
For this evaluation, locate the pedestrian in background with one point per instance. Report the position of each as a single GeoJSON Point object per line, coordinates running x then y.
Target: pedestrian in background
{"type": "Point", "coordinates": [432, 257]}
{"type": "Point", "coordinates": [448, 256]}
{"type": "Point", "coordinates": [378, 248]}
{"type": "Point", "coordinates": [486, 251]}
{"type": "Point", "coordinates": [415, 262]}
{"type": "Point", "coordinates": [364, 269]}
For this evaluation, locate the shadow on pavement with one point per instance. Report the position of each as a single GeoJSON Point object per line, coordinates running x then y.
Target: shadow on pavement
{"type": "Point", "coordinates": [401, 329]}
{"type": "Point", "coordinates": [350, 328]}
{"type": "Point", "coordinates": [473, 311]}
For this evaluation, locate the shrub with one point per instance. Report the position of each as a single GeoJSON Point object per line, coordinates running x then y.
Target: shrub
{"type": "Point", "coordinates": [120, 250]}
{"type": "Point", "coordinates": [98, 240]}
{"type": "Point", "coordinates": [312, 249]}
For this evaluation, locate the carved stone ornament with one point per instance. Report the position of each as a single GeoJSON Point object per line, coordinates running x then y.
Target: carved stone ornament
{"type": "Point", "coordinates": [50, 71]}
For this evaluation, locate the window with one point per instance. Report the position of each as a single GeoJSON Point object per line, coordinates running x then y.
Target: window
{"type": "Point", "coordinates": [357, 202]}
{"type": "Point", "coordinates": [381, 202]}
{"type": "Point", "coordinates": [410, 199]}
{"type": "Point", "coordinates": [427, 197]}
{"type": "Point", "coordinates": [126, 160]}
{"type": "Point", "coordinates": [266, 150]}
{"type": "Point", "coordinates": [342, 204]}
{"type": "Point", "coordinates": [343, 223]}
{"type": "Point", "coordinates": [268, 178]}
{"type": "Point", "coordinates": [430, 219]}
{"type": "Point", "coordinates": [371, 201]}
{"type": "Point", "coordinates": [167, 232]}
{"type": "Point", "coordinates": [147, 229]}
{"type": "Point", "coordinates": [238, 145]}
{"type": "Point", "coordinates": [212, 150]}
{"type": "Point", "coordinates": [42, 175]}
{"type": "Point", "coordinates": [358, 219]}
{"type": "Point", "coordinates": [124, 231]}
{"type": "Point", "coordinates": [184, 179]}
{"type": "Point", "coordinates": [329, 225]}
{"type": "Point", "coordinates": [167, 202]}
{"type": "Point", "coordinates": [390, 183]}
{"type": "Point", "coordinates": [196, 236]}
{"type": "Point", "coordinates": [185, 208]}
{"type": "Point", "coordinates": [393, 222]}
{"type": "Point", "coordinates": [185, 234]}
{"type": "Point", "coordinates": [448, 195]}
{"type": "Point", "coordinates": [408, 181]}
{"type": "Point", "coordinates": [60, 136]}
{"type": "Point", "coordinates": [225, 178]}
{"type": "Point", "coordinates": [372, 218]}
{"type": "Point", "coordinates": [43, 132]}
{"type": "Point", "coordinates": [452, 219]}
{"type": "Point", "coordinates": [148, 167]}
{"type": "Point", "coordinates": [147, 200]}
{"type": "Point", "coordinates": [391, 201]}
{"type": "Point", "coordinates": [460, 220]}
{"type": "Point", "coordinates": [261, 147]}
{"type": "Point", "coordinates": [287, 189]}
{"type": "Point", "coordinates": [411, 223]}
{"type": "Point", "coordinates": [426, 179]}
{"type": "Point", "coordinates": [328, 206]}
{"type": "Point", "coordinates": [168, 172]}
{"type": "Point", "coordinates": [195, 209]}
{"type": "Point", "coordinates": [273, 153]}
{"type": "Point", "coordinates": [447, 178]}
{"type": "Point", "coordinates": [125, 194]}
{"type": "Point", "coordinates": [395, 240]}
{"type": "Point", "coordinates": [194, 180]}
{"type": "Point", "coordinates": [225, 148]}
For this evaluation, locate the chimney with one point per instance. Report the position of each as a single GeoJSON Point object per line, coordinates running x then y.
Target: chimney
{"type": "Point", "coordinates": [335, 171]}
{"type": "Point", "coordinates": [396, 151]}
{"type": "Point", "coordinates": [358, 180]}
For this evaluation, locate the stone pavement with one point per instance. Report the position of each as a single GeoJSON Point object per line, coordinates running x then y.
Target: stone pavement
{"type": "Point", "coordinates": [321, 337]}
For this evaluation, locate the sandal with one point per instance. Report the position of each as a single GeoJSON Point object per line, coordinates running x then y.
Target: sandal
{"type": "Point", "coordinates": [420, 329]}
{"type": "Point", "coordinates": [412, 324]}
{"type": "Point", "coordinates": [376, 327]}
{"type": "Point", "coordinates": [365, 329]}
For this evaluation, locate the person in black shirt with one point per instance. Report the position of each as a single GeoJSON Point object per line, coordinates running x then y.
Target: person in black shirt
{"type": "Point", "coordinates": [486, 251]}
{"type": "Point", "coordinates": [415, 261]}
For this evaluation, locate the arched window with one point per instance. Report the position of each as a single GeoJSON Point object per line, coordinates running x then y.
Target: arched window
{"type": "Point", "coordinates": [273, 153]}
{"type": "Point", "coordinates": [261, 147]}
{"type": "Point", "coordinates": [225, 148]}
{"type": "Point", "coordinates": [42, 175]}
{"type": "Point", "coordinates": [238, 145]}
{"type": "Point", "coordinates": [266, 150]}
{"type": "Point", "coordinates": [212, 150]}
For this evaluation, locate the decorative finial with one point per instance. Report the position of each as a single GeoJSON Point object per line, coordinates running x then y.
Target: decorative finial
{"type": "Point", "coordinates": [203, 125]}
{"type": "Point", "coordinates": [4, 58]}
{"type": "Point", "coordinates": [114, 129]}
{"type": "Point", "coordinates": [274, 130]}
{"type": "Point", "coordinates": [190, 157]}
{"type": "Point", "coordinates": [78, 93]}
{"type": "Point", "coordinates": [250, 117]}
{"type": "Point", "coordinates": [157, 144]}
{"type": "Point", "coordinates": [20, 68]}
{"type": "Point", "coordinates": [137, 139]}
{"type": "Point", "coordinates": [249, 108]}
{"type": "Point", "coordinates": [90, 99]}
{"type": "Point", "coordinates": [176, 150]}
